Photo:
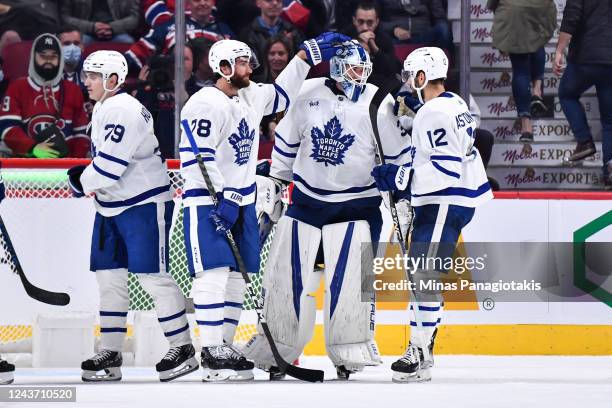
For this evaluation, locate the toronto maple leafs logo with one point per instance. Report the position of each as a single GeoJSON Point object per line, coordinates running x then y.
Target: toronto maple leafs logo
{"type": "Point", "coordinates": [330, 145]}
{"type": "Point", "coordinates": [242, 143]}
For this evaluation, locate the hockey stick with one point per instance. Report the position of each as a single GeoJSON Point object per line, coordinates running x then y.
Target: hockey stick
{"type": "Point", "coordinates": [377, 99]}
{"type": "Point", "coordinates": [51, 298]}
{"type": "Point", "coordinates": [300, 373]}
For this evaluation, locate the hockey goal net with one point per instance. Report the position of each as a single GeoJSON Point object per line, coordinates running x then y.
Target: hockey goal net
{"type": "Point", "coordinates": [51, 233]}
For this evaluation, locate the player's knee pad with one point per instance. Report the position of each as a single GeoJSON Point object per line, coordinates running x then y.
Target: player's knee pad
{"type": "Point", "coordinates": [169, 305]}
{"type": "Point", "coordinates": [349, 319]}
{"type": "Point", "coordinates": [114, 303]}
{"type": "Point", "coordinates": [289, 282]}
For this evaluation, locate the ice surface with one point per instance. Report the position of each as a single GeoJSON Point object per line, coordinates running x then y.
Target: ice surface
{"type": "Point", "coordinates": [458, 381]}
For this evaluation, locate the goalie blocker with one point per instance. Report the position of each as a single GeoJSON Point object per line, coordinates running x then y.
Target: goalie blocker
{"type": "Point", "coordinates": [290, 305]}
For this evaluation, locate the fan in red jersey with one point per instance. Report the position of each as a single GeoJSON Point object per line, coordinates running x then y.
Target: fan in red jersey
{"type": "Point", "coordinates": [42, 115]}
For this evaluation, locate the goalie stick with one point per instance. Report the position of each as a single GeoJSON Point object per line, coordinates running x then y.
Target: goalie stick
{"type": "Point", "coordinates": [300, 373]}
{"type": "Point", "coordinates": [51, 298]}
{"type": "Point", "coordinates": [377, 100]}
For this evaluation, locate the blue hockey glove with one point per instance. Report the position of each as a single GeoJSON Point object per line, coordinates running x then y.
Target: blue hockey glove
{"type": "Point", "coordinates": [224, 216]}
{"type": "Point", "coordinates": [74, 180]}
{"type": "Point", "coordinates": [324, 47]}
{"type": "Point", "coordinates": [391, 177]}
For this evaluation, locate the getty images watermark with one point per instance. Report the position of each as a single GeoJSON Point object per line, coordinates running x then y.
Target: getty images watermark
{"type": "Point", "coordinates": [503, 271]}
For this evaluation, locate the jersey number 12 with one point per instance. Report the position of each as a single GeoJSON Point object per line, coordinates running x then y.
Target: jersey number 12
{"type": "Point", "coordinates": [439, 135]}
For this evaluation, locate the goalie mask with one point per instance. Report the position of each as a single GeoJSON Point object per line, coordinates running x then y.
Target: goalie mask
{"type": "Point", "coordinates": [432, 61]}
{"type": "Point", "coordinates": [229, 51]}
{"type": "Point", "coordinates": [351, 69]}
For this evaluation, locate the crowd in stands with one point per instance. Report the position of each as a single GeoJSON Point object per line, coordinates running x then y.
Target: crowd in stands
{"type": "Point", "coordinates": [144, 30]}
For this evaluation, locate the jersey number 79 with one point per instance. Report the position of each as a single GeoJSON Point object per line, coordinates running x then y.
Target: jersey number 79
{"type": "Point", "coordinates": [115, 132]}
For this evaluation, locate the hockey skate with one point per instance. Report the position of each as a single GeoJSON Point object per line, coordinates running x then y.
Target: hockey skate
{"type": "Point", "coordinates": [225, 363]}
{"type": "Point", "coordinates": [107, 361]}
{"type": "Point", "coordinates": [412, 367]}
{"type": "Point", "coordinates": [177, 362]}
{"type": "Point", "coordinates": [6, 372]}
{"type": "Point", "coordinates": [343, 372]}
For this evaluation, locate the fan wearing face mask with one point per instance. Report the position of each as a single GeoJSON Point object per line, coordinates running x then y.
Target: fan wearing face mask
{"type": "Point", "coordinates": [42, 115]}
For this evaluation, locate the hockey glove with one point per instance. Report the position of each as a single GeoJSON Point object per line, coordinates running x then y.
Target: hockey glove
{"type": "Point", "coordinates": [391, 177]}
{"type": "Point", "coordinates": [44, 150]}
{"type": "Point", "coordinates": [74, 180]}
{"type": "Point", "coordinates": [324, 47]}
{"type": "Point", "coordinates": [224, 216]}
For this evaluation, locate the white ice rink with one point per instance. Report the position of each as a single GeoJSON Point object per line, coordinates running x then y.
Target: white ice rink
{"type": "Point", "coordinates": [458, 381]}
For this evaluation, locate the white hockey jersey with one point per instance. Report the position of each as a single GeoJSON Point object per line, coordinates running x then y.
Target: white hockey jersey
{"type": "Point", "coordinates": [447, 167]}
{"type": "Point", "coordinates": [325, 143]}
{"type": "Point", "coordinates": [226, 131]}
{"type": "Point", "coordinates": [127, 168]}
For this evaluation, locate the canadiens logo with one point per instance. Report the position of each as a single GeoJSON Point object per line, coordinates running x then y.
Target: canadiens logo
{"type": "Point", "coordinates": [39, 123]}
{"type": "Point", "coordinates": [330, 145]}
{"type": "Point", "coordinates": [242, 143]}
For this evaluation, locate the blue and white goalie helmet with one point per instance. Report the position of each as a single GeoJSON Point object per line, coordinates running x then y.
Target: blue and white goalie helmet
{"type": "Point", "coordinates": [351, 68]}
{"type": "Point", "coordinates": [230, 51]}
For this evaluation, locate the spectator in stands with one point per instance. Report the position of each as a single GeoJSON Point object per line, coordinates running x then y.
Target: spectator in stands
{"type": "Point", "coordinates": [586, 29]}
{"type": "Point", "coordinates": [202, 73]}
{"type": "Point", "coordinates": [367, 30]}
{"type": "Point", "coordinates": [339, 13]}
{"type": "Point", "coordinates": [199, 24]}
{"type": "Point", "coordinates": [102, 20]}
{"type": "Point", "coordinates": [155, 91]}
{"type": "Point", "coordinates": [72, 48]}
{"type": "Point", "coordinates": [26, 19]}
{"type": "Point", "coordinates": [521, 29]}
{"type": "Point", "coordinates": [42, 115]}
{"type": "Point", "coordinates": [3, 81]}
{"type": "Point", "coordinates": [310, 16]}
{"type": "Point", "coordinates": [238, 14]}
{"type": "Point", "coordinates": [417, 22]}
{"type": "Point", "coordinates": [267, 25]}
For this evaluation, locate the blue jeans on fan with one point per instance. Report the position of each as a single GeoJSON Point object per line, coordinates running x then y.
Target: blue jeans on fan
{"type": "Point", "coordinates": [576, 79]}
{"type": "Point", "coordinates": [439, 35]}
{"type": "Point", "coordinates": [526, 68]}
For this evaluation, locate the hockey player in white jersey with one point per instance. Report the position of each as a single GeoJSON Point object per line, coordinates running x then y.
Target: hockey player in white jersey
{"type": "Point", "coordinates": [224, 120]}
{"type": "Point", "coordinates": [445, 181]}
{"type": "Point", "coordinates": [325, 145]}
{"type": "Point", "coordinates": [133, 200]}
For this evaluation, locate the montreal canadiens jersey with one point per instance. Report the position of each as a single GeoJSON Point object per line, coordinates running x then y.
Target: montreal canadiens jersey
{"type": "Point", "coordinates": [127, 169]}
{"type": "Point", "coordinates": [325, 143]}
{"type": "Point", "coordinates": [28, 108]}
{"type": "Point", "coordinates": [447, 167]}
{"type": "Point", "coordinates": [226, 131]}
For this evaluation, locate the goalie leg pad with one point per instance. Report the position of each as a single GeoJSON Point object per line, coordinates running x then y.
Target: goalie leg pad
{"type": "Point", "coordinates": [169, 305]}
{"type": "Point", "coordinates": [349, 320]}
{"type": "Point", "coordinates": [114, 303]}
{"type": "Point", "coordinates": [289, 282]}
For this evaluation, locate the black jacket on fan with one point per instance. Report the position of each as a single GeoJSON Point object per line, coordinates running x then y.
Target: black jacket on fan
{"type": "Point", "coordinates": [588, 21]}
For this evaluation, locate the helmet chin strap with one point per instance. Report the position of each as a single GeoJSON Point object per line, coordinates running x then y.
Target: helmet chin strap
{"type": "Point", "coordinates": [419, 90]}
{"type": "Point", "coordinates": [107, 90]}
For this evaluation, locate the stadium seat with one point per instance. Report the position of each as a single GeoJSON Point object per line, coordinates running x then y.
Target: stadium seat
{"type": "Point", "coordinates": [97, 46]}
{"type": "Point", "coordinates": [16, 59]}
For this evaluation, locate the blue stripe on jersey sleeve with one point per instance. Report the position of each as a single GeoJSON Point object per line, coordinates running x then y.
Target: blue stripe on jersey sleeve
{"type": "Point", "coordinates": [104, 173]}
{"type": "Point", "coordinates": [445, 171]}
{"type": "Point", "coordinates": [113, 159]}
{"type": "Point", "coordinates": [194, 161]}
{"type": "Point", "coordinates": [200, 150]}
{"type": "Point", "coordinates": [280, 90]}
{"type": "Point", "coordinates": [399, 154]}
{"type": "Point", "coordinates": [290, 155]}
{"type": "Point", "coordinates": [242, 191]}
{"type": "Point", "coordinates": [445, 157]}
{"type": "Point", "coordinates": [291, 145]}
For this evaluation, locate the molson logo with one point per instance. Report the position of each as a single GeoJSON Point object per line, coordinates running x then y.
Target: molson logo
{"type": "Point", "coordinates": [482, 34]}
{"type": "Point", "coordinates": [513, 155]}
{"type": "Point", "coordinates": [498, 108]}
{"type": "Point", "coordinates": [492, 83]}
{"type": "Point", "coordinates": [479, 10]}
{"type": "Point", "coordinates": [502, 132]}
{"type": "Point", "coordinates": [492, 57]}
{"type": "Point", "coordinates": [552, 177]}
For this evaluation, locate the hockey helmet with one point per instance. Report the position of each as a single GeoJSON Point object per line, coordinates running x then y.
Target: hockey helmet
{"type": "Point", "coordinates": [230, 50]}
{"type": "Point", "coordinates": [431, 60]}
{"type": "Point", "coordinates": [351, 68]}
{"type": "Point", "coordinates": [107, 63]}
